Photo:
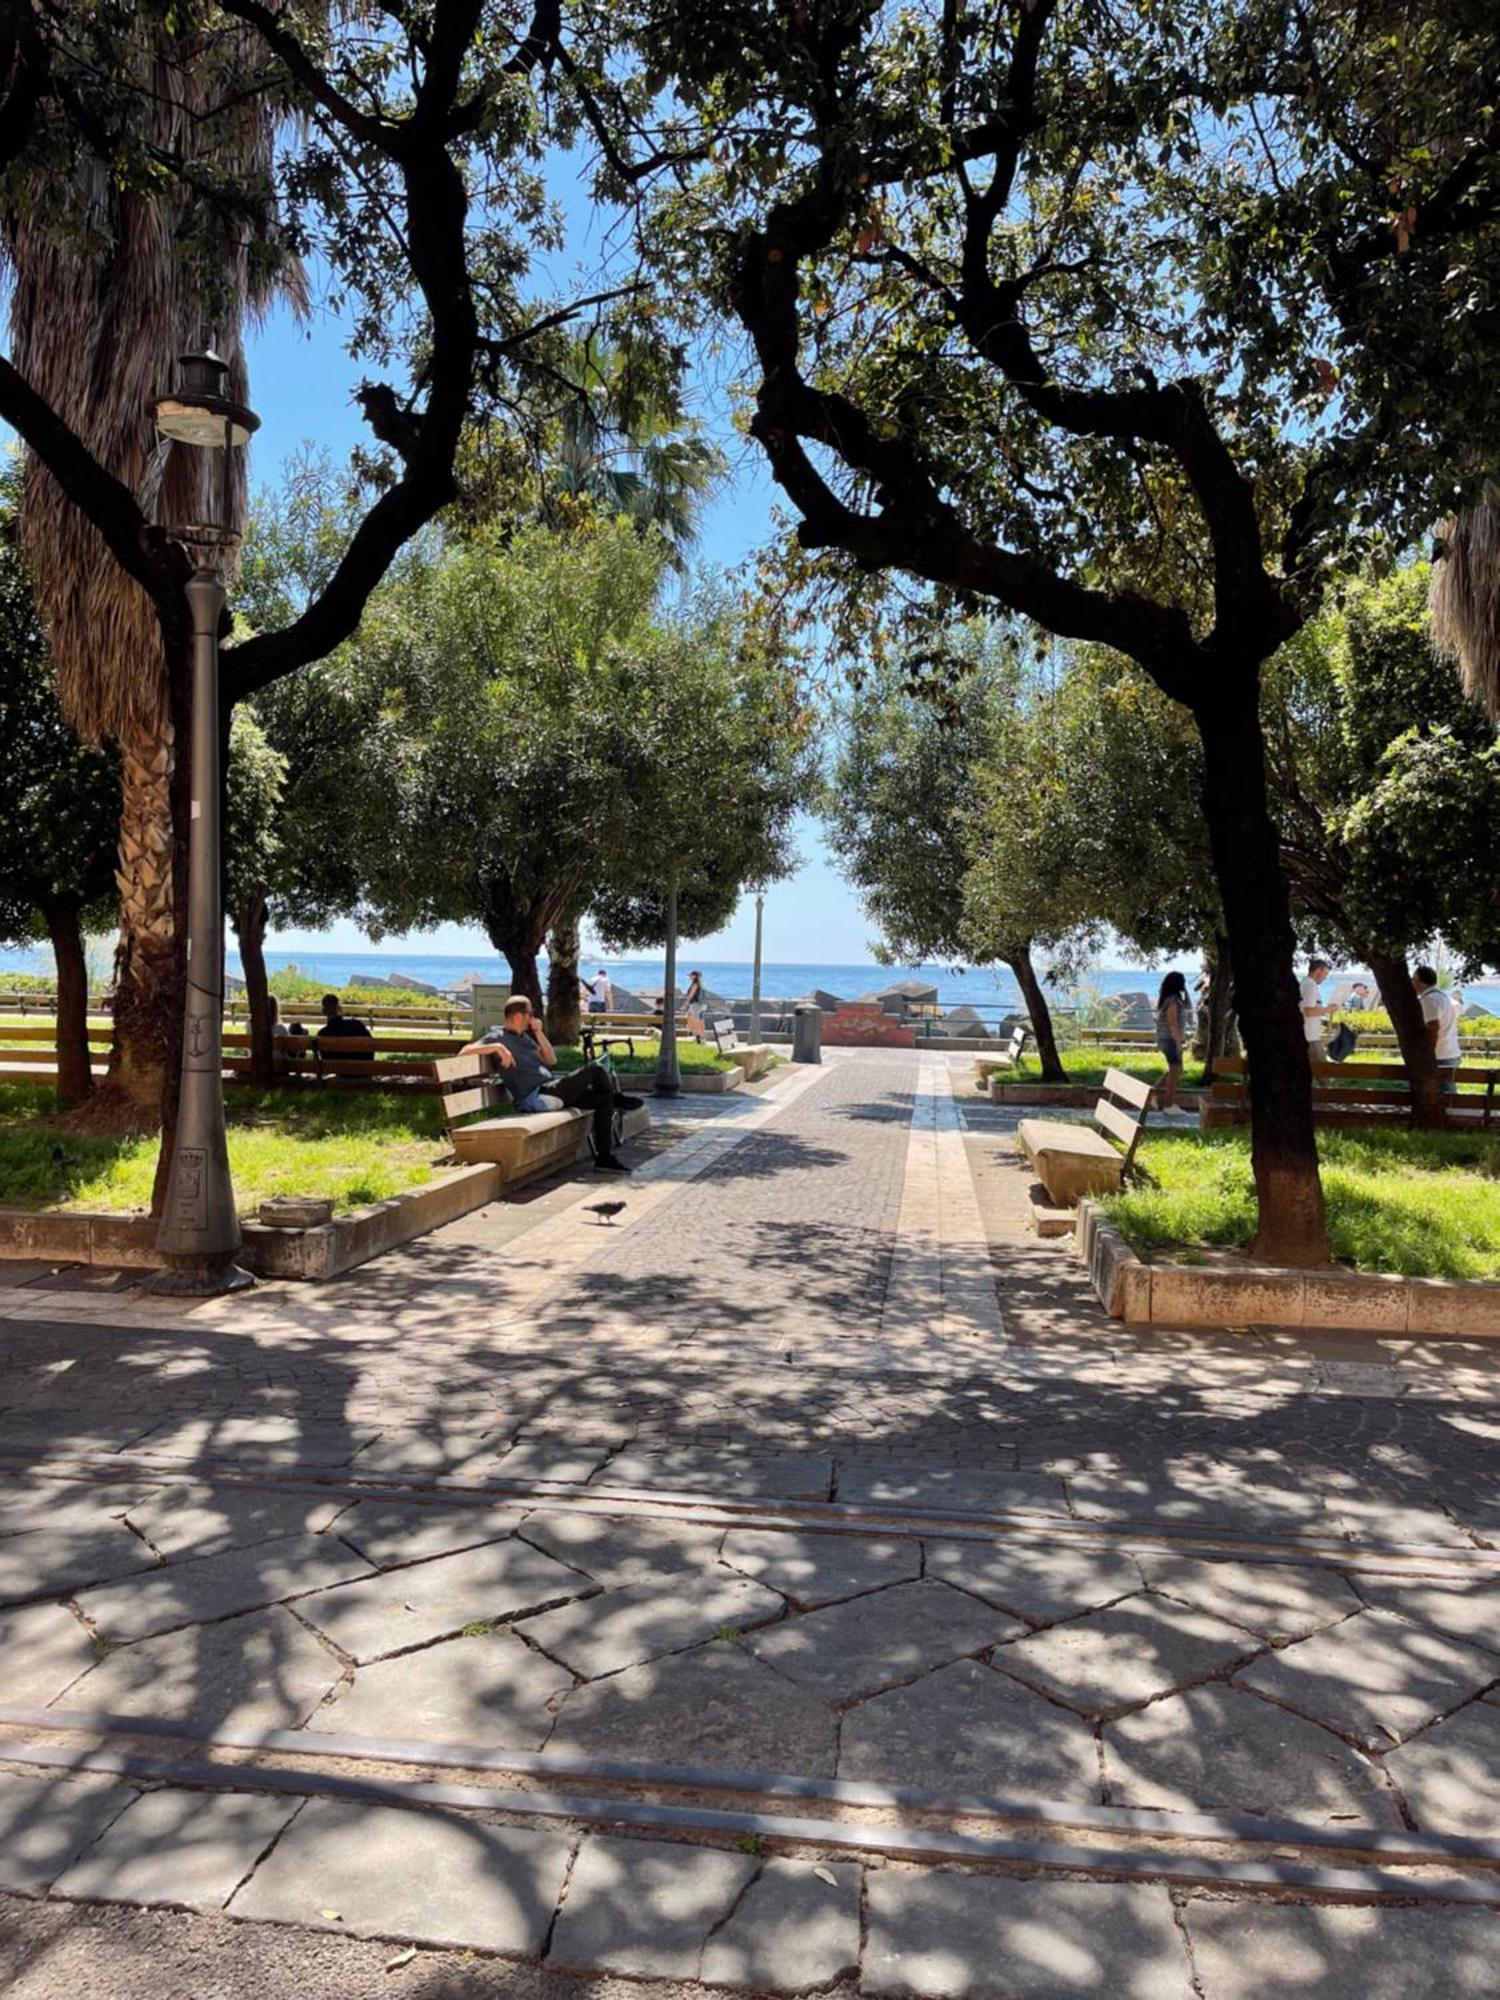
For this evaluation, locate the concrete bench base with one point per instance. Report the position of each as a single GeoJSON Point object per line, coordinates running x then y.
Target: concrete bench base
{"type": "Point", "coordinates": [986, 1067]}
{"type": "Point", "coordinates": [523, 1146]}
{"type": "Point", "coordinates": [754, 1058]}
{"type": "Point", "coordinates": [1071, 1161]}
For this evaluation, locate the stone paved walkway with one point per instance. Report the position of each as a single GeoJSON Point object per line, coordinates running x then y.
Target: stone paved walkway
{"type": "Point", "coordinates": [800, 1584]}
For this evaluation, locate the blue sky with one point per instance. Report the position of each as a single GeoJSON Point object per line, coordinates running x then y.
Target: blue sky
{"type": "Point", "coordinates": [301, 384]}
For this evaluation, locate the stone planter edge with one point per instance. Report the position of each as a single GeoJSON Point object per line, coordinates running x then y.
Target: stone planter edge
{"type": "Point", "coordinates": [1145, 1294]}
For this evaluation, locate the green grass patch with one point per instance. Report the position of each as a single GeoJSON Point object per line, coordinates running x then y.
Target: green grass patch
{"type": "Point", "coordinates": [1087, 1066]}
{"type": "Point", "coordinates": [352, 1148]}
{"type": "Point", "coordinates": [1419, 1204]}
{"type": "Point", "coordinates": [691, 1056]}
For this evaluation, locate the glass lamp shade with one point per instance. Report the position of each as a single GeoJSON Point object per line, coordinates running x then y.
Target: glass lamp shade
{"type": "Point", "coordinates": [199, 412]}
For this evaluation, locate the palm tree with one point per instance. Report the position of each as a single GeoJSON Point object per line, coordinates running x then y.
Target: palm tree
{"type": "Point", "coordinates": [624, 448]}
{"type": "Point", "coordinates": [108, 286]}
{"type": "Point", "coordinates": [1465, 598]}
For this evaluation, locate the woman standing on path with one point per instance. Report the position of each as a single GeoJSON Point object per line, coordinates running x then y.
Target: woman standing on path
{"type": "Point", "coordinates": [692, 1004]}
{"type": "Point", "coordinates": [1173, 1015]}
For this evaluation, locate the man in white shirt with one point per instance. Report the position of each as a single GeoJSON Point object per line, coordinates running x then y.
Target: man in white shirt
{"type": "Point", "coordinates": [599, 994]}
{"type": "Point", "coordinates": [1440, 1014]}
{"type": "Point", "coordinates": [1314, 1013]}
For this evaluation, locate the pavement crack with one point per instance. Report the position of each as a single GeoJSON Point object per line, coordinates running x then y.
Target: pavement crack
{"type": "Point", "coordinates": [265, 1853]}
{"type": "Point", "coordinates": [735, 1903]}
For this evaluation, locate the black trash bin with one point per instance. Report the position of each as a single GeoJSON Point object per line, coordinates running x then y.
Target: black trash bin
{"type": "Point", "coordinates": [807, 1034]}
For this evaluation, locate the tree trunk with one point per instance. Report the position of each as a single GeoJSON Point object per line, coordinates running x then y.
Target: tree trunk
{"type": "Point", "coordinates": [1292, 1225]}
{"type": "Point", "coordinates": [145, 961]}
{"type": "Point", "coordinates": [250, 928]}
{"type": "Point", "coordinates": [1401, 1003]}
{"type": "Point", "coordinates": [1221, 1038]}
{"type": "Point", "coordinates": [563, 1014]}
{"type": "Point", "coordinates": [75, 1077]}
{"type": "Point", "coordinates": [1039, 1014]}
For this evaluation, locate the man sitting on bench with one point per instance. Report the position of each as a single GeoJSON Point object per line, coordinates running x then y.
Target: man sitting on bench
{"type": "Point", "coordinates": [525, 1057]}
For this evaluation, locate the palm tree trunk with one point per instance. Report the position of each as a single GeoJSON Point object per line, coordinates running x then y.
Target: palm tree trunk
{"type": "Point", "coordinates": [1039, 1014]}
{"type": "Point", "coordinates": [563, 1014]}
{"type": "Point", "coordinates": [1292, 1227]}
{"type": "Point", "coordinates": [146, 972]}
{"type": "Point", "coordinates": [250, 928]}
{"type": "Point", "coordinates": [75, 1077]}
{"type": "Point", "coordinates": [1401, 1003]}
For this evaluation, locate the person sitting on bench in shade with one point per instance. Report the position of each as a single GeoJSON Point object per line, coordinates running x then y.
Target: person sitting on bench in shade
{"type": "Point", "coordinates": [338, 1027]}
{"type": "Point", "coordinates": [521, 1048]}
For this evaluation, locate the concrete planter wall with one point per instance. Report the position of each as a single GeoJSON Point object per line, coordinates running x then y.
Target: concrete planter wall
{"type": "Point", "coordinates": [705, 1083]}
{"type": "Point", "coordinates": [321, 1252]}
{"type": "Point", "coordinates": [1261, 1295]}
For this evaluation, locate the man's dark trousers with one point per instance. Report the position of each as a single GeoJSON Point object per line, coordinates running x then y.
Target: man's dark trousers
{"type": "Point", "coordinates": [590, 1089]}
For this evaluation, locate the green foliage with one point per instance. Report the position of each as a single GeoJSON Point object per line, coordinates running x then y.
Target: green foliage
{"type": "Point", "coordinates": [1422, 1204]}
{"type": "Point", "coordinates": [558, 741]}
{"type": "Point", "coordinates": [59, 825]}
{"type": "Point", "coordinates": [1385, 781]}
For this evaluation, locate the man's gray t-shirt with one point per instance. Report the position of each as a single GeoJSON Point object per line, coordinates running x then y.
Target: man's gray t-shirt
{"type": "Point", "coordinates": [528, 1072]}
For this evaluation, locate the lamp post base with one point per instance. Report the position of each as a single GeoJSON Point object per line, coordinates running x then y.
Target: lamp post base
{"type": "Point", "coordinates": [199, 1278]}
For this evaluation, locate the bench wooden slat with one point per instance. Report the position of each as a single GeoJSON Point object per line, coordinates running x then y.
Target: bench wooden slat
{"type": "Point", "coordinates": [446, 1068]}
{"type": "Point", "coordinates": [1130, 1089]}
{"type": "Point", "coordinates": [1119, 1124]}
{"type": "Point", "coordinates": [459, 1103]}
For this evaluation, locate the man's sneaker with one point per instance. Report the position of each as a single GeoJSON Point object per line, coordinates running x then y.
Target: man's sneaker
{"type": "Point", "coordinates": [610, 1163]}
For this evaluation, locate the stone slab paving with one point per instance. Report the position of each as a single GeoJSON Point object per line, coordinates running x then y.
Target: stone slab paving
{"type": "Point", "coordinates": [1469, 1612]}
{"type": "Point", "coordinates": [263, 1670]}
{"type": "Point", "coordinates": [1217, 1749]}
{"type": "Point", "coordinates": [794, 1928]}
{"type": "Point", "coordinates": [27, 1504]}
{"type": "Point", "coordinates": [645, 1907]}
{"type": "Point", "coordinates": [47, 1823]}
{"type": "Point", "coordinates": [1277, 1601]}
{"type": "Point", "coordinates": [45, 1563]}
{"type": "Point", "coordinates": [848, 1650]}
{"type": "Point", "coordinates": [615, 1552]}
{"type": "Point", "coordinates": [737, 1474]}
{"type": "Point", "coordinates": [1250, 1950]}
{"type": "Point", "coordinates": [436, 1878]}
{"type": "Point", "coordinates": [200, 1588]}
{"type": "Point", "coordinates": [487, 1688]}
{"type": "Point", "coordinates": [959, 1487]}
{"type": "Point", "coordinates": [387, 1533]}
{"type": "Point", "coordinates": [201, 1520]}
{"type": "Point", "coordinates": [936, 1933]}
{"type": "Point", "coordinates": [188, 1849]}
{"type": "Point", "coordinates": [643, 1621]}
{"type": "Point", "coordinates": [401, 1609]}
{"type": "Point", "coordinates": [811, 1569]}
{"type": "Point", "coordinates": [1117, 1659]}
{"type": "Point", "coordinates": [43, 1648]}
{"type": "Point", "coordinates": [1039, 1585]}
{"type": "Point", "coordinates": [795, 1307]}
{"type": "Point", "coordinates": [1375, 1679]}
{"type": "Point", "coordinates": [966, 1729]}
{"type": "Point", "coordinates": [716, 1705]}
{"type": "Point", "coordinates": [1449, 1775]}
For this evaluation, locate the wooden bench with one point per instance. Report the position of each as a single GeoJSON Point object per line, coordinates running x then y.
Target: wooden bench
{"type": "Point", "coordinates": [1008, 1058]}
{"type": "Point", "coordinates": [754, 1058]}
{"type": "Point", "coordinates": [521, 1144]}
{"type": "Point", "coordinates": [1354, 1093]}
{"type": "Point", "coordinates": [1074, 1160]}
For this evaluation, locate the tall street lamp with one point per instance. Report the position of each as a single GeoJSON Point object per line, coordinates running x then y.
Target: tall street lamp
{"type": "Point", "coordinates": [668, 1070]}
{"type": "Point", "coordinates": [200, 1227]}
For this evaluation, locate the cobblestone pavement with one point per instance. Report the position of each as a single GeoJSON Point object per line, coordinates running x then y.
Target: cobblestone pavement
{"type": "Point", "coordinates": [799, 1584]}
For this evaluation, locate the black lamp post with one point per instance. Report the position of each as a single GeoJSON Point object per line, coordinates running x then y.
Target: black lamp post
{"type": "Point", "coordinates": [200, 1228]}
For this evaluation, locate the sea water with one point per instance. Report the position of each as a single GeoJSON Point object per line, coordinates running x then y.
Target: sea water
{"type": "Point", "coordinates": [986, 987]}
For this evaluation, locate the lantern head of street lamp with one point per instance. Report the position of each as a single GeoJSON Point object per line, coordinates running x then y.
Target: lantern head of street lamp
{"type": "Point", "coordinates": [198, 411]}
